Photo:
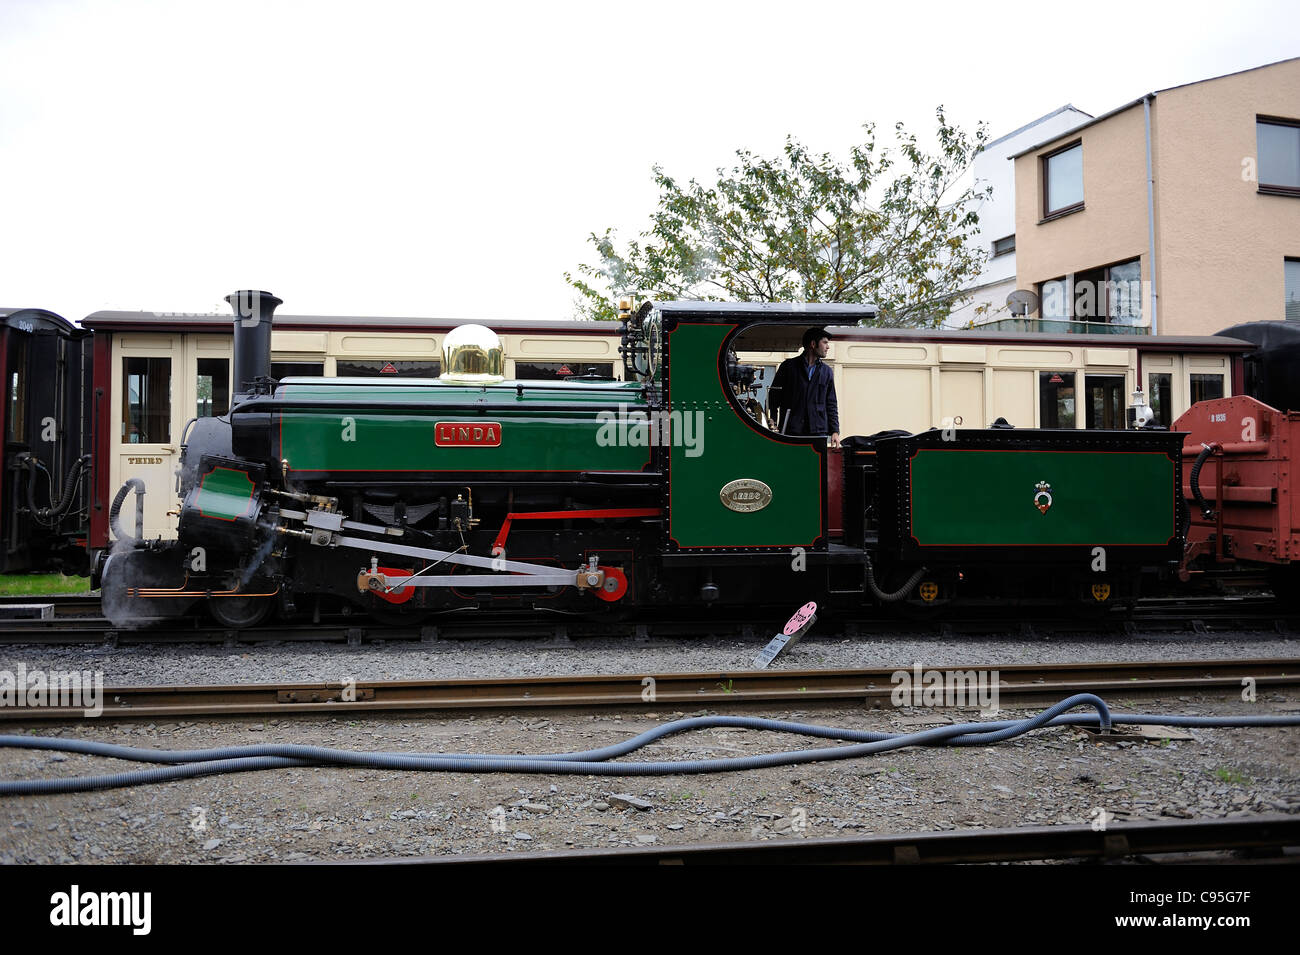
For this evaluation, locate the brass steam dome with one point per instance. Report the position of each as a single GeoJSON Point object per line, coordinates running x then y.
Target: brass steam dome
{"type": "Point", "coordinates": [472, 354]}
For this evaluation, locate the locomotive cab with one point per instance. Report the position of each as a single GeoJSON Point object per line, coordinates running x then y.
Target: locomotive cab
{"type": "Point", "coordinates": [735, 485]}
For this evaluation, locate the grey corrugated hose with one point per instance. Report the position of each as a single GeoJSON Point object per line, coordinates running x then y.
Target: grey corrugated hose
{"type": "Point", "coordinates": [233, 759]}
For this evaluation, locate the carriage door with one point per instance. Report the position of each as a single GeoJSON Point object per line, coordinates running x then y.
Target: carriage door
{"type": "Point", "coordinates": [1105, 387]}
{"type": "Point", "coordinates": [148, 390]}
{"type": "Point", "coordinates": [1162, 387]}
{"type": "Point", "coordinates": [1105, 402]}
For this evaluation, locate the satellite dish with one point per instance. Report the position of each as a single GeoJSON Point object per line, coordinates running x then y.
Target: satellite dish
{"type": "Point", "coordinates": [1022, 302]}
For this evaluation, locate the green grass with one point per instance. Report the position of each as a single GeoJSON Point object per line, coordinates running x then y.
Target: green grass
{"type": "Point", "coordinates": [22, 584]}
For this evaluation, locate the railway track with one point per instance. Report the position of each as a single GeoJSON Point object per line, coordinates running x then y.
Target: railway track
{"type": "Point", "coordinates": [1020, 684]}
{"type": "Point", "coordinates": [1274, 838]}
{"type": "Point", "coordinates": [74, 620]}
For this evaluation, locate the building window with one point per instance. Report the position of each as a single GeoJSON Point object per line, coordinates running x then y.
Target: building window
{"type": "Point", "coordinates": [1278, 142]}
{"type": "Point", "coordinates": [1124, 293]}
{"type": "Point", "coordinates": [1063, 180]}
{"type": "Point", "coordinates": [1292, 295]}
{"type": "Point", "coordinates": [1089, 299]}
{"type": "Point", "coordinates": [1054, 299]}
{"type": "Point", "coordinates": [1109, 294]}
{"type": "Point", "coordinates": [1003, 246]}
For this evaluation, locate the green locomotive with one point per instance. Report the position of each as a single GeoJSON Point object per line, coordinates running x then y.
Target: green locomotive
{"type": "Point", "coordinates": [668, 489]}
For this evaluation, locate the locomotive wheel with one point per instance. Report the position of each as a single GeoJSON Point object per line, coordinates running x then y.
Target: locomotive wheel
{"type": "Point", "coordinates": [239, 613]}
{"type": "Point", "coordinates": [1283, 580]}
{"type": "Point", "coordinates": [919, 610]}
{"type": "Point", "coordinates": [131, 569]}
{"type": "Point", "coordinates": [914, 606]}
{"type": "Point", "coordinates": [615, 585]}
{"type": "Point", "coordinates": [394, 615]}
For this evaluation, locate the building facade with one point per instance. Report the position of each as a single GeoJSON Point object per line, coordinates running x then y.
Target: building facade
{"type": "Point", "coordinates": [1210, 238]}
{"type": "Point", "coordinates": [997, 226]}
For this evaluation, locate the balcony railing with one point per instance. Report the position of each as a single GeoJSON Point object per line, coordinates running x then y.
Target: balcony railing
{"type": "Point", "coordinates": [1060, 327]}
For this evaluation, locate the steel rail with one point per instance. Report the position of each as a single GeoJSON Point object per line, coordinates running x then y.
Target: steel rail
{"type": "Point", "coordinates": [86, 604]}
{"type": "Point", "coordinates": [1021, 683]}
{"type": "Point", "coordinates": [1121, 840]}
{"type": "Point", "coordinates": [1202, 616]}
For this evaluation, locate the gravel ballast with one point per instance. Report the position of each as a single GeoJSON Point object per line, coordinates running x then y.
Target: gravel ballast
{"type": "Point", "coordinates": [467, 659]}
{"type": "Point", "coordinates": [1053, 777]}
{"type": "Point", "coordinates": [1059, 776]}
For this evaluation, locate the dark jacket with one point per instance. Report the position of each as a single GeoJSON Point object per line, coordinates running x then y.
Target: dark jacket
{"type": "Point", "coordinates": [803, 404]}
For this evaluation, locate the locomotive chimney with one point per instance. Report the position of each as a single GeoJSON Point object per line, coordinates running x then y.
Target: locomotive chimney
{"type": "Point", "coordinates": [253, 315]}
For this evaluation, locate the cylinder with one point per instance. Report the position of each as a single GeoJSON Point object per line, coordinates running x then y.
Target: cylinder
{"type": "Point", "coordinates": [254, 312]}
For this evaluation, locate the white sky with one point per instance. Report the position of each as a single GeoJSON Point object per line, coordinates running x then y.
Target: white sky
{"type": "Point", "coordinates": [388, 158]}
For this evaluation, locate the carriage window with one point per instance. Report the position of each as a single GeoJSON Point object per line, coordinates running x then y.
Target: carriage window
{"type": "Point", "coordinates": [213, 387]}
{"type": "Point", "coordinates": [17, 391]}
{"type": "Point", "coordinates": [558, 370]}
{"type": "Point", "coordinates": [1160, 397]}
{"type": "Point", "coordinates": [298, 369]}
{"type": "Point", "coordinates": [389, 369]}
{"type": "Point", "coordinates": [1056, 399]}
{"type": "Point", "coordinates": [146, 400]}
{"type": "Point", "coordinates": [1105, 402]}
{"type": "Point", "coordinates": [1206, 387]}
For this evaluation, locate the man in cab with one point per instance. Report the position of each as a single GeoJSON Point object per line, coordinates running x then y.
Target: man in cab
{"type": "Point", "coordinates": [802, 396]}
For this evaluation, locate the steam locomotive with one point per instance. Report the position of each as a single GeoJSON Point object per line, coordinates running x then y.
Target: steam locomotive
{"type": "Point", "coordinates": [409, 497]}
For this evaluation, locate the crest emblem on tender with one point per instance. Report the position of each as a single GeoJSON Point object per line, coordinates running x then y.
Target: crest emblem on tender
{"type": "Point", "coordinates": [1043, 497]}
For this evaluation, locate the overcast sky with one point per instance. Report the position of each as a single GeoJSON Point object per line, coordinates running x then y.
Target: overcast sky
{"type": "Point", "coordinates": [386, 158]}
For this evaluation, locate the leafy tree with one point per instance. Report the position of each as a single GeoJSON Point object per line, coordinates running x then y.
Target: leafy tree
{"type": "Point", "coordinates": [881, 228]}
